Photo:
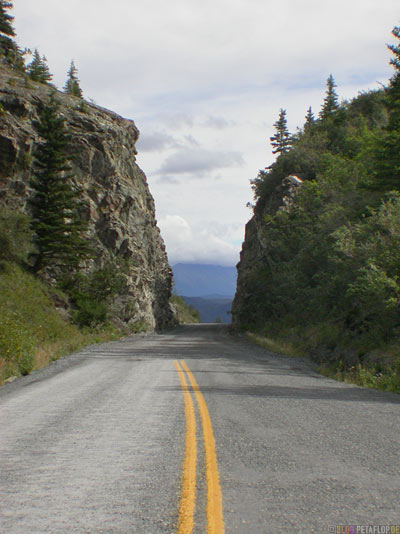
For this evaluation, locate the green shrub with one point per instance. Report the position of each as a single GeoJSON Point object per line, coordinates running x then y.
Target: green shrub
{"type": "Point", "coordinates": [15, 236]}
{"type": "Point", "coordinates": [16, 344]}
{"type": "Point", "coordinates": [89, 311]}
{"type": "Point", "coordinates": [92, 293]}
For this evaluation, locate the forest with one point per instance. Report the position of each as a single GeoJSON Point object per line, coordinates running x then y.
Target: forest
{"type": "Point", "coordinates": [329, 280]}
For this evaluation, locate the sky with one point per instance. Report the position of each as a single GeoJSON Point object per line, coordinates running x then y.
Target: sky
{"type": "Point", "coordinates": [204, 82]}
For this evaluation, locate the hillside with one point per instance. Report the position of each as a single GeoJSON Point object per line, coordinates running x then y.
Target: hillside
{"type": "Point", "coordinates": [319, 267]}
{"type": "Point", "coordinates": [212, 308]}
{"type": "Point", "coordinates": [117, 204]}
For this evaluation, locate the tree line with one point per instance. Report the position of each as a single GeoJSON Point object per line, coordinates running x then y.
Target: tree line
{"type": "Point", "coordinates": [330, 274]}
{"type": "Point", "coordinates": [38, 69]}
{"type": "Point", "coordinates": [53, 239]}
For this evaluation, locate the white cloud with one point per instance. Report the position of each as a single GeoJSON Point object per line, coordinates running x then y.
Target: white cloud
{"type": "Point", "coordinates": [219, 123]}
{"type": "Point", "coordinates": [204, 82]}
{"type": "Point", "coordinates": [155, 141]}
{"type": "Point", "coordinates": [197, 161]}
{"type": "Point", "coordinates": [189, 245]}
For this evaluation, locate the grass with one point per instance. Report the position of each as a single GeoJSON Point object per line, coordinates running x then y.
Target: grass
{"type": "Point", "coordinates": [376, 377]}
{"type": "Point", "coordinates": [380, 369]}
{"type": "Point", "coordinates": [277, 345]}
{"type": "Point", "coordinates": [32, 333]}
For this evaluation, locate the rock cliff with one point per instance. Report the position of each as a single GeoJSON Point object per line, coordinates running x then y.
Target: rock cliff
{"type": "Point", "coordinates": [120, 209]}
{"type": "Point", "coordinates": [255, 246]}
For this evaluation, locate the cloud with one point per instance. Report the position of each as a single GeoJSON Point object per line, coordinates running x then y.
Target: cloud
{"type": "Point", "coordinates": [191, 245]}
{"type": "Point", "coordinates": [198, 161]}
{"type": "Point", "coordinates": [155, 141]}
{"type": "Point", "coordinates": [204, 82]}
{"type": "Point", "coordinates": [218, 123]}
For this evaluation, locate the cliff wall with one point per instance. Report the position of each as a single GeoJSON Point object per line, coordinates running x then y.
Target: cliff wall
{"type": "Point", "coordinates": [120, 209]}
{"type": "Point", "coordinates": [255, 246]}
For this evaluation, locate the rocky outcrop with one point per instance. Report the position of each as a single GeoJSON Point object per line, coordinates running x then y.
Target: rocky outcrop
{"type": "Point", "coordinates": [120, 209]}
{"type": "Point", "coordinates": [255, 246]}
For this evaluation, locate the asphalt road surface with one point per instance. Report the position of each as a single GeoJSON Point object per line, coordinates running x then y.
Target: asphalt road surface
{"type": "Point", "coordinates": [114, 440]}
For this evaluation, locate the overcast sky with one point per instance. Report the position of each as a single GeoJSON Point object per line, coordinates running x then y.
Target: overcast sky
{"type": "Point", "coordinates": [204, 82]}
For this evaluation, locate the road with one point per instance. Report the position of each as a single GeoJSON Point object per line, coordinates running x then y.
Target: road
{"type": "Point", "coordinates": [114, 440]}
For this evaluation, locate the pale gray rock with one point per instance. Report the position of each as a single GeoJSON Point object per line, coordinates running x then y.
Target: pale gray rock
{"type": "Point", "coordinates": [119, 206]}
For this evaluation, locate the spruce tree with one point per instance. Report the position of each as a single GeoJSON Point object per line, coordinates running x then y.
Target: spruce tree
{"type": "Point", "coordinates": [310, 119]}
{"type": "Point", "coordinates": [8, 48]}
{"type": "Point", "coordinates": [281, 141]}
{"type": "Point", "coordinates": [394, 86]}
{"type": "Point", "coordinates": [331, 100]}
{"type": "Point", "coordinates": [387, 150]}
{"type": "Point", "coordinates": [38, 70]}
{"type": "Point", "coordinates": [6, 28]}
{"type": "Point", "coordinates": [72, 84]}
{"type": "Point", "coordinates": [55, 202]}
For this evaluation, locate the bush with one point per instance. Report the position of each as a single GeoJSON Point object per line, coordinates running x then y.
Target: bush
{"type": "Point", "coordinates": [92, 293]}
{"type": "Point", "coordinates": [15, 236]}
{"type": "Point", "coordinates": [16, 344]}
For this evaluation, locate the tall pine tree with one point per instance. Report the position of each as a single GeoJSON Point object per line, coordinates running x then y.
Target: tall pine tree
{"type": "Point", "coordinates": [55, 202]}
{"type": "Point", "coordinates": [38, 70]}
{"type": "Point", "coordinates": [281, 141]}
{"type": "Point", "coordinates": [6, 28]}
{"type": "Point", "coordinates": [394, 86]}
{"type": "Point", "coordinates": [72, 84]}
{"type": "Point", "coordinates": [388, 144]}
{"type": "Point", "coordinates": [310, 119]}
{"type": "Point", "coordinates": [8, 48]}
{"type": "Point", "coordinates": [331, 100]}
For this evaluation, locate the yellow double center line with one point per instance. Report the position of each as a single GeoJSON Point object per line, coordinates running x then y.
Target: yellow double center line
{"type": "Point", "coordinates": [215, 521]}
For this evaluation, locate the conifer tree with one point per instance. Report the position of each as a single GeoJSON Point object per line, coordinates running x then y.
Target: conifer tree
{"type": "Point", "coordinates": [394, 86]}
{"type": "Point", "coordinates": [310, 119]}
{"type": "Point", "coordinates": [38, 70]}
{"type": "Point", "coordinates": [331, 100]}
{"type": "Point", "coordinates": [281, 141]}
{"type": "Point", "coordinates": [8, 48]}
{"type": "Point", "coordinates": [387, 149]}
{"type": "Point", "coordinates": [72, 84]}
{"type": "Point", "coordinates": [55, 202]}
{"type": "Point", "coordinates": [6, 28]}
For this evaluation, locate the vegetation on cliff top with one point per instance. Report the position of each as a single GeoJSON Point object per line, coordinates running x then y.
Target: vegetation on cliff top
{"type": "Point", "coordinates": [330, 278]}
{"type": "Point", "coordinates": [38, 69]}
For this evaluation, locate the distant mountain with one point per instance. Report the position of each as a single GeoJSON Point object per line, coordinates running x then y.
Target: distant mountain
{"type": "Point", "coordinates": [196, 280]}
{"type": "Point", "coordinates": [212, 308]}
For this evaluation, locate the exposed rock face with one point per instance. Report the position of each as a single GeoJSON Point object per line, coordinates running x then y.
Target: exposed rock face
{"type": "Point", "coordinates": [120, 209]}
{"type": "Point", "coordinates": [255, 245]}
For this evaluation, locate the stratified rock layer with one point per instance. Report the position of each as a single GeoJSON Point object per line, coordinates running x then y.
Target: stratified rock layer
{"type": "Point", "coordinates": [120, 209]}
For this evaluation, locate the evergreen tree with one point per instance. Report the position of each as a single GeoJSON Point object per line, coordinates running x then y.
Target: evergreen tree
{"type": "Point", "coordinates": [8, 48]}
{"type": "Point", "coordinates": [281, 141]}
{"type": "Point", "coordinates": [55, 202]}
{"type": "Point", "coordinates": [394, 87]}
{"type": "Point", "coordinates": [387, 152]}
{"type": "Point", "coordinates": [72, 84]}
{"type": "Point", "coordinates": [6, 28]}
{"type": "Point", "coordinates": [331, 100]}
{"type": "Point", "coordinates": [38, 70]}
{"type": "Point", "coordinates": [310, 119]}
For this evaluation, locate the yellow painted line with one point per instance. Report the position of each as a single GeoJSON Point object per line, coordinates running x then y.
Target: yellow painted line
{"type": "Point", "coordinates": [215, 519]}
{"type": "Point", "coordinates": [188, 492]}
